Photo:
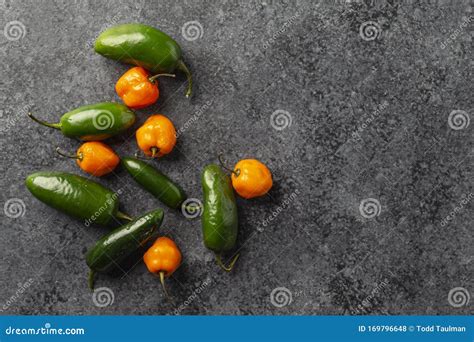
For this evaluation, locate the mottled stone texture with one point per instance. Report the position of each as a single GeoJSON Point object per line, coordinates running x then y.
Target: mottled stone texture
{"type": "Point", "coordinates": [369, 120]}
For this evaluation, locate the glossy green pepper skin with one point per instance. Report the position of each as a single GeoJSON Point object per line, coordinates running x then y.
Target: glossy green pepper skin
{"type": "Point", "coordinates": [94, 122]}
{"type": "Point", "coordinates": [115, 247]}
{"type": "Point", "coordinates": [219, 217]}
{"type": "Point", "coordinates": [75, 196]}
{"type": "Point", "coordinates": [154, 182]}
{"type": "Point", "coordinates": [143, 46]}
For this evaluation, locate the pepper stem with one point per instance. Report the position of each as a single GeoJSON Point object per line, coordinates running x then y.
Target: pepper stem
{"type": "Point", "coordinates": [123, 216]}
{"type": "Point", "coordinates": [154, 152]}
{"type": "Point", "coordinates": [222, 162]}
{"type": "Point", "coordinates": [224, 267]}
{"type": "Point", "coordinates": [90, 279]}
{"type": "Point", "coordinates": [162, 281]}
{"type": "Point", "coordinates": [153, 78]}
{"type": "Point", "coordinates": [44, 123]}
{"type": "Point", "coordinates": [182, 67]}
{"type": "Point", "coordinates": [61, 153]}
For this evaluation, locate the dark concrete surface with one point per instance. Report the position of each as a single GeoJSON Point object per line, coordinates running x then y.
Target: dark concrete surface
{"type": "Point", "coordinates": [361, 110]}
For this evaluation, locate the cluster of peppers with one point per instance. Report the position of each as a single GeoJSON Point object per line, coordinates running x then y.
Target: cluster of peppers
{"type": "Point", "coordinates": [151, 51]}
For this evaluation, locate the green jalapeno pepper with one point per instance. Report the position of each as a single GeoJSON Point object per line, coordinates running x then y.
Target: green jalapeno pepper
{"type": "Point", "coordinates": [219, 217]}
{"type": "Point", "coordinates": [76, 196]}
{"type": "Point", "coordinates": [93, 122]}
{"type": "Point", "coordinates": [113, 248]}
{"type": "Point", "coordinates": [154, 182]}
{"type": "Point", "coordinates": [143, 46]}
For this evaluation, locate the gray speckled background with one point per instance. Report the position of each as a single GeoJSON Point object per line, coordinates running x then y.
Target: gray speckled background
{"type": "Point", "coordinates": [368, 126]}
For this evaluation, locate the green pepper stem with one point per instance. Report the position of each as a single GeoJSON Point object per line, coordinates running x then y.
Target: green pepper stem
{"type": "Point", "coordinates": [222, 162]}
{"type": "Point", "coordinates": [224, 267]}
{"type": "Point", "coordinates": [61, 153]}
{"type": "Point", "coordinates": [162, 281]}
{"type": "Point", "coordinates": [122, 216]}
{"type": "Point", "coordinates": [44, 123]}
{"type": "Point", "coordinates": [90, 280]}
{"type": "Point", "coordinates": [182, 67]}
{"type": "Point", "coordinates": [153, 78]}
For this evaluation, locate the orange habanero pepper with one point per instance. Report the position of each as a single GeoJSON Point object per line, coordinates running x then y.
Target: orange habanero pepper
{"type": "Point", "coordinates": [162, 259]}
{"type": "Point", "coordinates": [250, 178]}
{"type": "Point", "coordinates": [138, 90]}
{"type": "Point", "coordinates": [95, 158]}
{"type": "Point", "coordinates": [157, 136]}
